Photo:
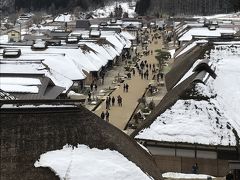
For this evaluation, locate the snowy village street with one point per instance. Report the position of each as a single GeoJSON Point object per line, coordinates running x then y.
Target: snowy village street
{"type": "Point", "coordinates": [120, 90]}
{"type": "Point", "coordinates": [119, 116]}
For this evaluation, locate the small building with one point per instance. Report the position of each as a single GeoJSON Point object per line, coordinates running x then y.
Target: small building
{"type": "Point", "coordinates": [14, 36]}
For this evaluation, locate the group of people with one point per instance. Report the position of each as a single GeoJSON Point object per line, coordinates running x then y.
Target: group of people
{"type": "Point", "coordinates": [105, 115]}
{"type": "Point", "coordinates": [110, 101]}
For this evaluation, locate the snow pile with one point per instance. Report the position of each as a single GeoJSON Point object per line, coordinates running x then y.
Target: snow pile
{"type": "Point", "coordinates": [204, 90]}
{"type": "Point", "coordinates": [191, 121]}
{"type": "Point", "coordinates": [227, 83]}
{"type": "Point", "coordinates": [90, 164]}
{"type": "Point", "coordinates": [106, 10]}
{"type": "Point", "coordinates": [172, 52]}
{"type": "Point", "coordinates": [185, 176]}
{"type": "Point", "coordinates": [3, 39]}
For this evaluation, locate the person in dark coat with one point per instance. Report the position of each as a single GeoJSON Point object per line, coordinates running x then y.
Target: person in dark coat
{"type": "Point", "coordinates": [124, 88]}
{"type": "Point", "coordinates": [195, 168]}
{"type": "Point", "coordinates": [91, 86]}
{"type": "Point", "coordinates": [103, 115]}
{"type": "Point", "coordinates": [89, 94]}
{"type": "Point", "coordinates": [161, 75]}
{"type": "Point", "coordinates": [133, 71]}
{"type": "Point", "coordinates": [95, 86]}
{"type": "Point", "coordinates": [119, 99]}
{"type": "Point", "coordinates": [107, 103]}
{"type": "Point", "coordinates": [127, 86]}
{"type": "Point", "coordinates": [113, 101]}
{"type": "Point", "coordinates": [107, 116]}
{"type": "Point", "coordinates": [229, 176]}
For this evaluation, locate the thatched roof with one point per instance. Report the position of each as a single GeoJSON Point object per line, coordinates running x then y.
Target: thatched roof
{"type": "Point", "coordinates": [182, 64]}
{"type": "Point", "coordinates": [28, 132]}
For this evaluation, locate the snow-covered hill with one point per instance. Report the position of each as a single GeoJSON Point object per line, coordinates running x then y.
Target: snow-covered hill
{"type": "Point", "coordinates": [103, 12]}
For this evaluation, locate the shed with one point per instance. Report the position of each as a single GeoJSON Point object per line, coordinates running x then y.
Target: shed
{"type": "Point", "coordinates": [14, 36]}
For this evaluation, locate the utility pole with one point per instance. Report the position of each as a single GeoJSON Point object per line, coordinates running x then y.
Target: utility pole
{"type": "Point", "coordinates": [1, 16]}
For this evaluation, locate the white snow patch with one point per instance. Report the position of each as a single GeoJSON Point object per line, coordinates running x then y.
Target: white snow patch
{"type": "Point", "coordinates": [185, 176]}
{"type": "Point", "coordinates": [205, 32]}
{"type": "Point", "coordinates": [3, 39]}
{"type": "Point", "coordinates": [227, 84]}
{"type": "Point", "coordinates": [105, 11]}
{"type": "Point", "coordinates": [64, 18]}
{"type": "Point", "coordinates": [90, 164]}
{"type": "Point", "coordinates": [203, 90]}
{"type": "Point", "coordinates": [172, 52]}
{"type": "Point", "coordinates": [18, 88]}
{"type": "Point", "coordinates": [191, 121]}
{"type": "Point", "coordinates": [19, 81]}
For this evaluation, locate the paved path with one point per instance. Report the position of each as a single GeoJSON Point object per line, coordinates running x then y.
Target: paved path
{"type": "Point", "coordinates": [119, 116]}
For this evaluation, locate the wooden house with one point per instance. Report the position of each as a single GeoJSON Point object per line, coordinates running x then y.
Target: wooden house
{"type": "Point", "coordinates": [14, 36]}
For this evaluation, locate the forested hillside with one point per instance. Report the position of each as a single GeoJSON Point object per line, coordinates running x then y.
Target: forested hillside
{"type": "Point", "coordinates": [186, 7]}
{"type": "Point", "coordinates": [49, 5]}
{"type": "Point", "coordinates": [45, 4]}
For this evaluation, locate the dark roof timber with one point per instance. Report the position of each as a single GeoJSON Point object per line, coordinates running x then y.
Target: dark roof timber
{"type": "Point", "coordinates": [182, 64]}
{"type": "Point", "coordinates": [26, 133]}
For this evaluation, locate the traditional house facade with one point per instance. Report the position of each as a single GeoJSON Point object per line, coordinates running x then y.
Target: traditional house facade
{"type": "Point", "coordinates": [14, 36]}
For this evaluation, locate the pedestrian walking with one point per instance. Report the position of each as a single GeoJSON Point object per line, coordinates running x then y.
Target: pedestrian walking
{"type": "Point", "coordinates": [142, 74]}
{"type": "Point", "coordinates": [229, 176]}
{"type": "Point", "coordinates": [127, 86]}
{"type": "Point", "coordinates": [107, 115]}
{"type": "Point", "coordinates": [195, 168]}
{"type": "Point", "coordinates": [150, 66]}
{"type": "Point", "coordinates": [113, 101]}
{"type": "Point", "coordinates": [124, 87]}
{"type": "Point", "coordinates": [109, 100]}
{"type": "Point", "coordinates": [95, 86]}
{"type": "Point", "coordinates": [89, 95]}
{"type": "Point", "coordinates": [91, 86]}
{"type": "Point", "coordinates": [161, 75]}
{"type": "Point", "coordinates": [103, 115]}
{"type": "Point", "coordinates": [133, 71]}
{"type": "Point", "coordinates": [107, 103]}
{"type": "Point", "coordinates": [119, 99]}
